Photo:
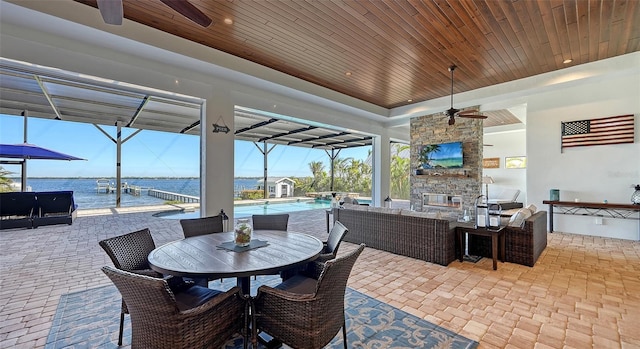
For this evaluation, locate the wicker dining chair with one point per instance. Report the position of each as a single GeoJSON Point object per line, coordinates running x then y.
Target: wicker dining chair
{"type": "Point", "coordinates": [270, 221]}
{"type": "Point", "coordinates": [202, 226]}
{"type": "Point", "coordinates": [303, 312]}
{"type": "Point", "coordinates": [198, 317]}
{"type": "Point", "coordinates": [129, 252]}
{"type": "Point", "coordinates": [330, 250]}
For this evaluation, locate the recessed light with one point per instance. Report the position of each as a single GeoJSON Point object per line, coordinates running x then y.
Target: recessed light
{"type": "Point", "coordinates": [347, 73]}
{"type": "Point", "coordinates": [228, 21]}
{"type": "Point", "coordinates": [409, 100]}
{"type": "Point", "coordinates": [567, 61]}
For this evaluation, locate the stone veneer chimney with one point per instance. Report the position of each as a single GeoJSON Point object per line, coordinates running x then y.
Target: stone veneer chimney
{"type": "Point", "coordinates": [466, 182]}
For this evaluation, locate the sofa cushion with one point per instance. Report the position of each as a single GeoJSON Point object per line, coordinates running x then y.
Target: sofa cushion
{"type": "Point", "coordinates": [416, 214]}
{"type": "Point", "coordinates": [517, 220]}
{"type": "Point", "coordinates": [356, 207]}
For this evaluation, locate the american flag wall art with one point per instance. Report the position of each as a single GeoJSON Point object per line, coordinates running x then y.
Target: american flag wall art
{"type": "Point", "coordinates": [609, 130]}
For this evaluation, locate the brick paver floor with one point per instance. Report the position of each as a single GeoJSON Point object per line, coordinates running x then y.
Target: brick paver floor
{"type": "Point", "coordinates": [584, 292]}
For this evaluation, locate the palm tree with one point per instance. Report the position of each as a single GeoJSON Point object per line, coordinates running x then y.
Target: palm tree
{"type": "Point", "coordinates": [317, 170]}
{"type": "Point", "coordinates": [400, 173]}
{"type": "Point", "coordinates": [5, 182]}
{"type": "Point", "coordinates": [425, 154]}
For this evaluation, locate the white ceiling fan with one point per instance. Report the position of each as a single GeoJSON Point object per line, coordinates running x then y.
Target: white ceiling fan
{"type": "Point", "coordinates": [112, 11]}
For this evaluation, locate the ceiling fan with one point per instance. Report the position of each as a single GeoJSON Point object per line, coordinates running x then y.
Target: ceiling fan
{"type": "Point", "coordinates": [453, 112]}
{"type": "Point", "coordinates": [112, 13]}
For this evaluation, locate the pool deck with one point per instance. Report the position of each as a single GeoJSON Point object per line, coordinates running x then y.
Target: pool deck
{"type": "Point", "coordinates": [582, 292]}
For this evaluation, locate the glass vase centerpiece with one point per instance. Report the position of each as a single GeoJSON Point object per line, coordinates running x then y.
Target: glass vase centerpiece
{"type": "Point", "coordinates": [242, 232]}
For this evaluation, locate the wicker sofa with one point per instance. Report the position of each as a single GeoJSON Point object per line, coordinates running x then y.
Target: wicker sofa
{"type": "Point", "coordinates": [523, 245]}
{"type": "Point", "coordinates": [429, 239]}
{"type": "Point", "coordinates": [433, 240]}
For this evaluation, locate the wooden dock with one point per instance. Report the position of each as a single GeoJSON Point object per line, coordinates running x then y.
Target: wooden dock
{"type": "Point", "coordinates": [105, 186]}
{"type": "Point", "coordinates": [169, 196]}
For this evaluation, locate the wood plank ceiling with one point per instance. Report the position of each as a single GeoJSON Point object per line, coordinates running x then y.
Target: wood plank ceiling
{"type": "Point", "coordinates": [393, 53]}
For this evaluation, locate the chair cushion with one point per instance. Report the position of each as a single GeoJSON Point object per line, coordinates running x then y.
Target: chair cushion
{"type": "Point", "coordinates": [299, 284]}
{"type": "Point", "coordinates": [194, 296]}
{"type": "Point", "coordinates": [147, 272]}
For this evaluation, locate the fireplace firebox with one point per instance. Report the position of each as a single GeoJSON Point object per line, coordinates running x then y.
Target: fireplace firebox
{"type": "Point", "coordinates": [446, 201]}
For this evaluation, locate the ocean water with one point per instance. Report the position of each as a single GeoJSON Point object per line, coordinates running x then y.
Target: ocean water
{"type": "Point", "coordinates": [85, 195]}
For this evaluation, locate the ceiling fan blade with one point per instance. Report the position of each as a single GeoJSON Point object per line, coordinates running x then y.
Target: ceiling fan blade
{"type": "Point", "coordinates": [111, 11]}
{"type": "Point", "coordinates": [187, 9]}
{"type": "Point", "coordinates": [472, 116]}
{"type": "Point", "coordinates": [452, 120]}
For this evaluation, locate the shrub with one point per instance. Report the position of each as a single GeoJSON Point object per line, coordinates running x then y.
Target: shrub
{"type": "Point", "coordinates": [252, 194]}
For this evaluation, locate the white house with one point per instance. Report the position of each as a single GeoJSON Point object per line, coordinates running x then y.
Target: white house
{"type": "Point", "coordinates": [278, 187]}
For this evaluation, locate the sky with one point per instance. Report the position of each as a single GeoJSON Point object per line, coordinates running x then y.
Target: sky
{"type": "Point", "coordinates": [147, 154]}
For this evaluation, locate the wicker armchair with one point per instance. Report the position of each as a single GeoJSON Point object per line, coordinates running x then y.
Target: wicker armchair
{"type": "Point", "coordinates": [303, 312]}
{"type": "Point", "coordinates": [270, 221]}
{"type": "Point", "coordinates": [196, 318]}
{"type": "Point", "coordinates": [202, 226]}
{"type": "Point", "coordinates": [314, 268]}
{"type": "Point", "coordinates": [129, 252]}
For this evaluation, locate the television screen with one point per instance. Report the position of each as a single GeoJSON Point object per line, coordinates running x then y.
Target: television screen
{"type": "Point", "coordinates": [445, 155]}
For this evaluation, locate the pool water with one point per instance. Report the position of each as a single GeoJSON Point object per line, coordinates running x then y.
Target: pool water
{"type": "Point", "coordinates": [249, 210]}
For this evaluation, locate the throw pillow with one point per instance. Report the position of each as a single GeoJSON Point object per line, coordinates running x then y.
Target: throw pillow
{"type": "Point", "coordinates": [517, 220]}
{"type": "Point", "coordinates": [532, 208]}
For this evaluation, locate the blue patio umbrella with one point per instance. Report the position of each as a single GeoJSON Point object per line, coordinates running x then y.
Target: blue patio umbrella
{"type": "Point", "coordinates": [26, 151]}
{"type": "Point", "coordinates": [29, 151]}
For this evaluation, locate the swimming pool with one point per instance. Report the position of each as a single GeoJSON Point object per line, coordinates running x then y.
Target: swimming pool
{"type": "Point", "coordinates": [240, 211]}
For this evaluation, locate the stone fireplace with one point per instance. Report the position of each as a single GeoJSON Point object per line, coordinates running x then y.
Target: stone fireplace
{"type": "Point", "coordinates": [455, 188]}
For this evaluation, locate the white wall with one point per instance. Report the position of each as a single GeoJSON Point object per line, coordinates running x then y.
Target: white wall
{"type": "Point", "coordinates": [592, 173]}
{"type": "Point", "coordinates": [504, 144]}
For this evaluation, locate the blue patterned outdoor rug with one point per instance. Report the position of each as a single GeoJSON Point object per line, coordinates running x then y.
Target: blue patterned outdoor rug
{"type": "Point", "coordinates": [90, 319]}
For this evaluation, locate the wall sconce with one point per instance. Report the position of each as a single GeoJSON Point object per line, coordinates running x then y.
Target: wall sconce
{"type": "Point", "coordinates": [225, 220]}
{"type": "Point", "coordinates": [387, 202]}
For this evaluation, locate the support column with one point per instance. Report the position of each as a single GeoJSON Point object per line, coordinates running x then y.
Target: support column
{"type": "Point", "coordinates": [217, 155]}
{"type": "Point", "coordinates": [23, 180]}
{"type": "Point", "coordinates": [333, 156]}
{"type": "Point", "coordinates": [381, 169]}
{"type": "Point", "coordinates": [265, 155]}
{"type": "Point", "coordinates": [118, 163]}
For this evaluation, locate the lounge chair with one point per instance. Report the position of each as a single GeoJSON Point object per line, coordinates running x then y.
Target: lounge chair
{"type": "Point", "coordinates": [56, 207]}
{"type": "Point", "coordinates": [17, 209]}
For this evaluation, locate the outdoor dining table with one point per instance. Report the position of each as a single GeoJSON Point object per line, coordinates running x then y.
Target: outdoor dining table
{"type": "Point", "coordinates": [202, 256]}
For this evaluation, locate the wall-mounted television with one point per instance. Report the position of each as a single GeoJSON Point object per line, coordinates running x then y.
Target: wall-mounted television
{"type": "Point", "coordinates": [439, 156]}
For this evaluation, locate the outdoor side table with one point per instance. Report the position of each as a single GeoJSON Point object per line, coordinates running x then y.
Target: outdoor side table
{"type": "Point", "coordinates": [497, 238]}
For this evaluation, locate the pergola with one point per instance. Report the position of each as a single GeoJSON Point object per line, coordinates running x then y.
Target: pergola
{"type": "Point", "coordinates": [53, 94]}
